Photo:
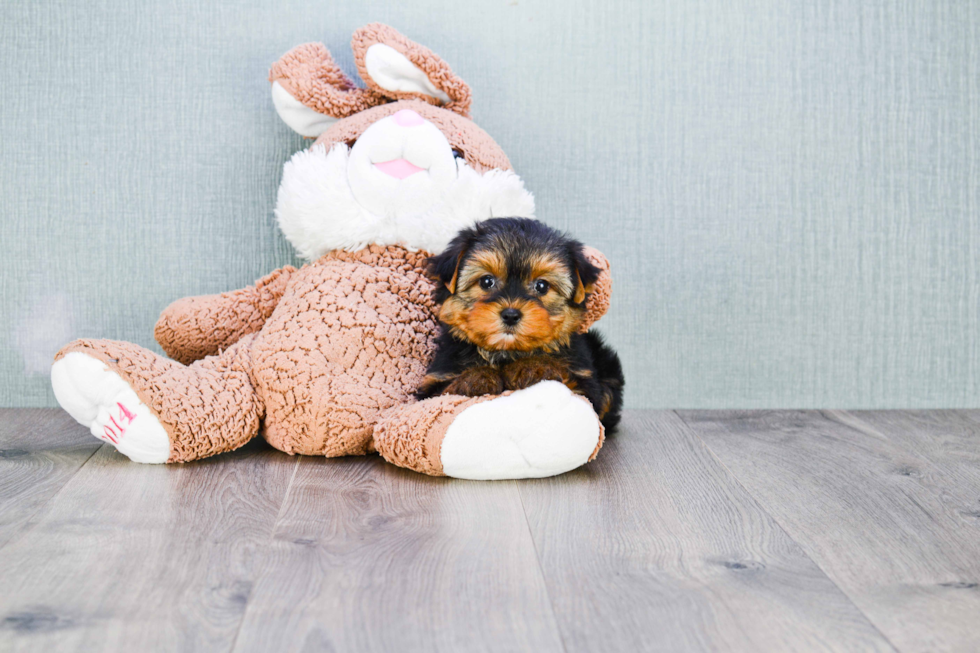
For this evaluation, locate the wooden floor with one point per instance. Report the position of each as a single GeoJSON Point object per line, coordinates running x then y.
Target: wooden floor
{"type": "Point", "coordinates": [719, 531]}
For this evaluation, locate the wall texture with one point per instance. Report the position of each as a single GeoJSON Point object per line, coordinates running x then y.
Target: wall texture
{"type": "Point", "coordinates": [789, 192]}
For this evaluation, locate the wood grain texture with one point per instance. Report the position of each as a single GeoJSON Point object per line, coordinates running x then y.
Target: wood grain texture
{"type": "Point", "coordinates": [134, 557]}
{"type": "Point", "coordinates": [709, 531]}
{"type": "Point", "coordinates": [885, 522]}
{"type": "Point", "coordinates": [949, 439]}
{"type": "Point", "coordinates": [40, 450]}
{"type": "Point", "coordinates": [370, 557]}
{"type": "Point", "coordinates": [655, 546]}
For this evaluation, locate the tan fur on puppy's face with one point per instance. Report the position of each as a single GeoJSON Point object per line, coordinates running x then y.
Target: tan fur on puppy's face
{"type": "Point", "coordinates": [548, 319]}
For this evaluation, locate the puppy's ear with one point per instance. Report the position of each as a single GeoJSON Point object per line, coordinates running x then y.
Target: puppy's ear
{"type": "Point", "coordinates": [586, 273]}
{"type": "Point", "coordinates": [444, 267]}
{"type": "Point", "coordinates": [451, 284]}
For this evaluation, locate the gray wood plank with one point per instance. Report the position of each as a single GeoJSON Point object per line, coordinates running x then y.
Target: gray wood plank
{"type": "Point", "coordinates": [949, 439]}
{"type": "Point", "coordinates": [40, 450]}
{"type": "Point", "coordinates": [132, 557]}
{"type": "Point", "coordinates": [879, 518]}
{"type": "Point", "coordinates": [655, 547]}
{"type": "Point", "coordinates": [370, 557]}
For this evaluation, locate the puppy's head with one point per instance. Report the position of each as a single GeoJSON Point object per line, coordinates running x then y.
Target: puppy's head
{"type": "Point", "coordinates": [512, 284]}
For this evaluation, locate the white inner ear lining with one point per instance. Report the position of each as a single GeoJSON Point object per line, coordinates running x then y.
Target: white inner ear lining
{"type": "Point", "coordinates": [392, 71]}
{"type": "Point", "coordinates": [299, 117]}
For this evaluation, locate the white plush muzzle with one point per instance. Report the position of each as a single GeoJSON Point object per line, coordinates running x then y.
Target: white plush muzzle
{"type": "Point", "coordinates": [348, 198]}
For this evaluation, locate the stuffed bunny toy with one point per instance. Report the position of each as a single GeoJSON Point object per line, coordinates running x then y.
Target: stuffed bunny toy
{"type": "Point", "coordinates": [324, 360]}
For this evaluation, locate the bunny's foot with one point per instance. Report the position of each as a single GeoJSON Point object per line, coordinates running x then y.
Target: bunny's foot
{"type": "Point", "coordinates": [101, 400]}
{"type": "Point", "coordinates": [156, 410]}
{"type": "Point", "coordinates": [540, 431]}
{"type": "Point", "coordinates": [543, 430]}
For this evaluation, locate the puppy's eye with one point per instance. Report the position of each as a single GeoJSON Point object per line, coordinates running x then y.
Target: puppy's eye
{"type": "Point", "coordinates": [487, 281]}
{"type": "Point", "coordinates": [458, 153]}
{"type": "Point", "coordinates": [541, 287]}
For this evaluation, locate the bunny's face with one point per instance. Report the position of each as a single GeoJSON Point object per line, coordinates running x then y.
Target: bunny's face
{"type": "Point", "coordinates": [400, 164]}
{"type": "Point", "coordinates": [411, 172]}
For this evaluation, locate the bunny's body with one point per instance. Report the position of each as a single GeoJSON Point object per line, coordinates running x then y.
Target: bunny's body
{"type": "Point", "coordinates": [324, 360]}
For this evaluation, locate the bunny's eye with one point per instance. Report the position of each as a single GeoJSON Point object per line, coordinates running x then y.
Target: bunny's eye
{"type": "Point", "coordinates": [458, 153]}
{"type": "Point", "coordinates": [487, 281]}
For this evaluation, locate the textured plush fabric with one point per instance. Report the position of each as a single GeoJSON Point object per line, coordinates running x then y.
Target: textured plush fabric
{"type": "Point", "coordinates": [194, 327]}
{"type": "Point", "coordinates": [411, 435]}
{"type": "Point", "coordinates": [350, 338]}
{"type": "Point", "coordinates": [309, 74]}
{"type": "Point", "coordinates": [207, 408]}
{"type": "Point", "coordinates": [437, 70]}
{"type": "Point", "coordinates": [324, 358]}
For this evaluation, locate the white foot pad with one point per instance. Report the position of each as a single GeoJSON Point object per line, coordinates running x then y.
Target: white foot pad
{"type": "Point", "coordinates": [98, 398]}
{"type": "Point", "coordinates": [541, 431]}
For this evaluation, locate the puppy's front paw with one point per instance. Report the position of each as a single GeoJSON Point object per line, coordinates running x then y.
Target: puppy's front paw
{"type": "Point", "coordinates": [525, 372]}
{"type": "Point", "coordinates": [476, 381]}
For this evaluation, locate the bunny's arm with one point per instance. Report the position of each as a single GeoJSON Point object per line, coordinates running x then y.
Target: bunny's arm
{"type": "Point", "coordinates": [598, 302]}
{"type": "Point", "coordinates": [194, 327]}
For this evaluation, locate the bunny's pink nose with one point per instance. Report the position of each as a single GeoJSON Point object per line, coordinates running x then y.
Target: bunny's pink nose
{"type": "Point", "coordinates": [408, 118]}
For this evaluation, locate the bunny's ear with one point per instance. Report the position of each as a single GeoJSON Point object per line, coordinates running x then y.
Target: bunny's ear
{"type": "Point", "coordinates": [400, 69]}
{"type": "Point", "coordinates": [597, 300]}
{"type": "Point", "coordinates": [311, 93]}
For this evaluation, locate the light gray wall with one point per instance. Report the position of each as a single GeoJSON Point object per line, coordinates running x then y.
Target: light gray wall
{"type": "Point", "coordinates": [788, 191]}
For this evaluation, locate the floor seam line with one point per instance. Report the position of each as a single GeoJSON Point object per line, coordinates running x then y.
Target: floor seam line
{"type": "Point", "coordinates": [285, 498]}
{"type": "Point", "coordinates": [269, 541]}
{"type": "Point", "coordinates": [537, 558]}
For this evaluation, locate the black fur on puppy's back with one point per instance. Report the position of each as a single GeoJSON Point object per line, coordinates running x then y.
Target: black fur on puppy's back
{"type": "Point", "coordinates": [609, 376]}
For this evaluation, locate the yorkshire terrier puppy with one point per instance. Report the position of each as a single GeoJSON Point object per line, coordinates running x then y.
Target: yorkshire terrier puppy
{"type": "Point", "coordinates": [511, 294]}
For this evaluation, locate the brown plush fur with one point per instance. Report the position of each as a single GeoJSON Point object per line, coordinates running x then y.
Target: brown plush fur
{"type": "Point", "coordinates": [309, 74]}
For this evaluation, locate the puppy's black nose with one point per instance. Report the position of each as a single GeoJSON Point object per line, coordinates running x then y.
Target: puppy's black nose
{"type": "Point", "coordinates": [510, 316]}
